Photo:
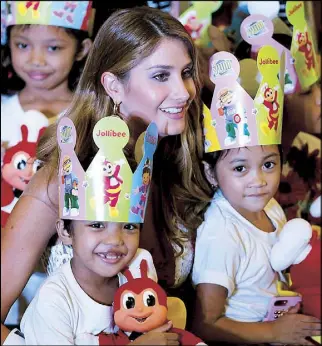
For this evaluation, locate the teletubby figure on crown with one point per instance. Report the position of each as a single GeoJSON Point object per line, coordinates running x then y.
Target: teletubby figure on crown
{"type": "Point", "coordinates": [146, 179]}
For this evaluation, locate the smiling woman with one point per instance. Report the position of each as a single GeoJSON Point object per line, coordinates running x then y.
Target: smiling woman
{"type": "Point", "coordinates": [143, 63]}
{"type": "Point", "coordinates": [160, 88]}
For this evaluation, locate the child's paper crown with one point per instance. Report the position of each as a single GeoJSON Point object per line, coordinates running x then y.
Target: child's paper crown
{"type": "Point", "coordinates": [300, 62]}
{"type": "Point", "coordinates": [235, 119]}
{"type": "Point", "coordinates": [108, 190]}
{"type": "Point", "coordinates": [67, 14]}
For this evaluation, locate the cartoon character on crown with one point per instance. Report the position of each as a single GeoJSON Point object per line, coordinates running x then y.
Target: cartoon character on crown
{"type": "Point", "coordinates": [144, 188]}
{"type": "Point", "coordinates": [19, 165]}
{"type": "Point", "coordinates": [140, 305]}
{"type": "Point", "coordinates": [112, 186]}
{"type": "Point", "coordinates": [24, 6]}
{"type": "Point", "coordinates": [70, 181]}
{"type": "Point", "coordinates": [68, 11]}
{"type": "Point", "coordinates": [235, 116]}
{"type": "Point", "coordinates": [305, 47]}
{"type": "Point", "coordinates": [269, 100]}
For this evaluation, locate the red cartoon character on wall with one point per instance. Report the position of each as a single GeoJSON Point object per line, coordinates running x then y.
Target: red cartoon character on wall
{"type": "Point", "coordinates": [193, 27]}
{"type": "Point", "coordinates": [140, 306]}
{"type": "Point", "coordinates": [19, 165]}
{"type": "Point", "coordinates": [112, 186]}
{"type": "Point", "coordinates": [305, 47]}
{"type": "Point", "coordinates": [269, 100]}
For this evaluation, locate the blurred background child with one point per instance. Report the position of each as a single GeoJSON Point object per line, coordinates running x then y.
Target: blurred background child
{"type": "Point", "coordinates": [46, 44]}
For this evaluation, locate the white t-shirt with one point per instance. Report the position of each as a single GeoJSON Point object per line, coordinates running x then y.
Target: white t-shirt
{"type": "Point", "coordinates": [61, 311]}
{"type": "Point", "coordinates": [233, 253]}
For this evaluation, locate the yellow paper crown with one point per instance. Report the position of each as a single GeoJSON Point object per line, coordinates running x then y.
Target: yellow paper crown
{"type": "Point", "coordinates": [235, 119]}
{"type": "Point", "coordinates": [108, 190]}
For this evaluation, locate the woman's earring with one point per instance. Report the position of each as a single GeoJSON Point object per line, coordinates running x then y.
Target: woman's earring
{"type": "Point", "coordinates": [116, 110]}
{"type": "Point", "coordinates": [214, 187]}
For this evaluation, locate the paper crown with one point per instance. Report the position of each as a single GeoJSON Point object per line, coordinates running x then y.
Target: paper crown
{"type": "Point", "coordinates": [197, 18]}
{"type": "Point", "coordinates": [235, 119]}
{"type": "Point", "coordinates": [300, 62]}
{"type": "Point", "coordinates": [67, 14]}
{"type": "Point", "coordinates": [108, 190]}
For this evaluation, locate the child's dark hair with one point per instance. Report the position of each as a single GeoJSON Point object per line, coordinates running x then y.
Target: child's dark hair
{"type": "Point", "coordinates": [12, 83]}
{"type": "Point", "coordinates": [68, 225]}
{"type": "Point", "coordinates": [213, 158]}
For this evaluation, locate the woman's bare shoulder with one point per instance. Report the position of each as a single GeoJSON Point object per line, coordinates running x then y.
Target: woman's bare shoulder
{"type": "Point", "coordinates": [44, 187]}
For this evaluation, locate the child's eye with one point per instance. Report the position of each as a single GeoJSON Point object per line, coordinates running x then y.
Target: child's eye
{"type": "Point", "coordinates": [53, 48]}
{"type": "Point", "coordinates": [130, 226]}
{"type": "Point", "coordinates": [269, 165]}
{"type": "Point", "coordinates": [239, 169]}
{"type": "Point", "coordinates": [96, 225]}
{"type": "Point", "coordinates": [161, 77]}
{"type": "Point", "coordinates": [187, 73]}
{"type": "Point", "coordinates": [22, 45]}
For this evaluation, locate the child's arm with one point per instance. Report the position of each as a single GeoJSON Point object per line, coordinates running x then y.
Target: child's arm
{"type": "Point", "coordinates": [210, 325]}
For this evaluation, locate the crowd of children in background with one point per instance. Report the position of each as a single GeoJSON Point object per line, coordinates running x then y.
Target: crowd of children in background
{"type": "Point", "coordinates": [212, 216]}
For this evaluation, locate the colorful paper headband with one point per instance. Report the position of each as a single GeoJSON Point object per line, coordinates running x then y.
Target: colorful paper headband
{"type": "Point", "coordinates": [197, 18]}
{"type": "Point", "coordinates": [235, 119]}
{"type": "Point", "coordinates": [67, 14]}
{"type": "Point", "coordinates": [108, 190]}
{"type": "Point", "coordinates": [300, 62]}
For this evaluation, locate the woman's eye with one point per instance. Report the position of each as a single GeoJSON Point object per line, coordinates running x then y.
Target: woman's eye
{"type": "Point", "coordinates": [22, 45]}
{"type": "Point", "coordinates": [161, 77]}
{"type": "Point", "coordinates": [187, 73]}
{"type": "Point", "coordinates": [239, 169]}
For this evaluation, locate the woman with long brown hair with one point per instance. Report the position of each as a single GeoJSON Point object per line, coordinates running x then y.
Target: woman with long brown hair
{"type": "Point", "coordinates": [144, 65]}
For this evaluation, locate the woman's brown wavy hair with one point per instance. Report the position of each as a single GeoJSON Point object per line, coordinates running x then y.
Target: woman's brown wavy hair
{"type": "Point", "coordinates": [125, 39]}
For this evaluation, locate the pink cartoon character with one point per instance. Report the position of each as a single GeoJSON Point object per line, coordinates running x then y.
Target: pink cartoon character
{"type": "Point", "coordinates": [19, 165]}
{"type": "Point", "coordinates": [68, 11]}
{"type": "Point", "coordinates": [305, 47]}
{"type": "Point", "coordinates": [112, 186]}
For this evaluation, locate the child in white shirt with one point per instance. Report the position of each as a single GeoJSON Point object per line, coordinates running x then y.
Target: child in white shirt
{"type": "Point", "coordinates": [232, 273]}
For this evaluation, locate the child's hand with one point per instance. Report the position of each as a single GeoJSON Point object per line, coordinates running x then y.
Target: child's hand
{"type": "Point", "coordinates": [293, 328]}
{"type": "Point", "coordinates": [158, 336]}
